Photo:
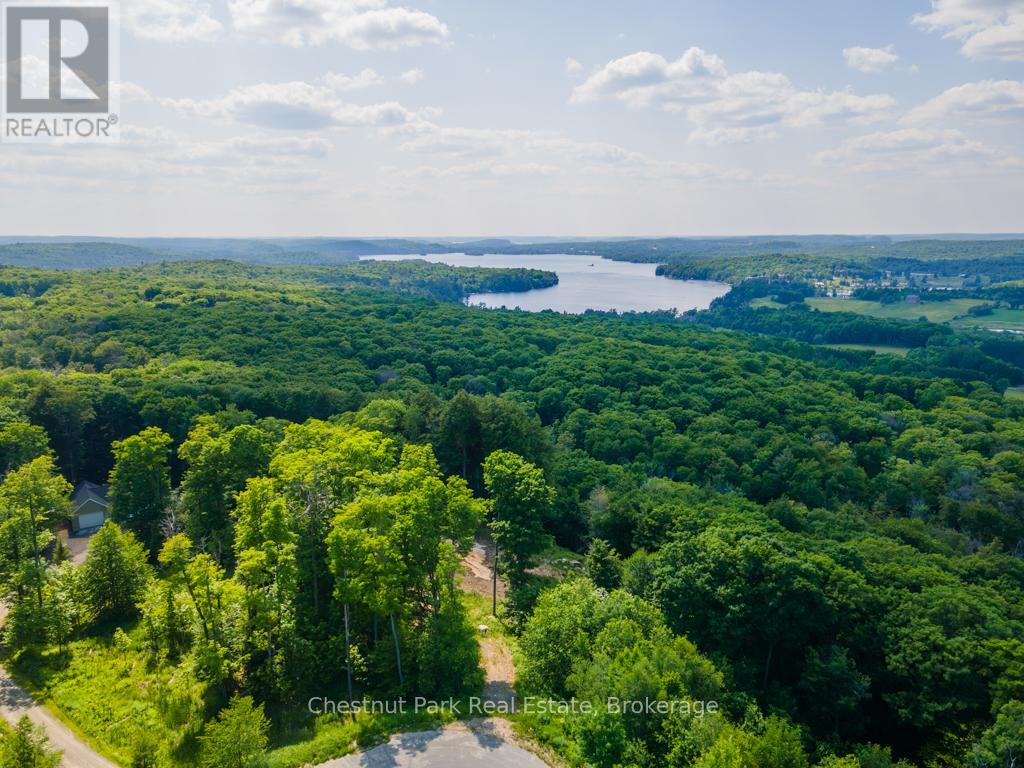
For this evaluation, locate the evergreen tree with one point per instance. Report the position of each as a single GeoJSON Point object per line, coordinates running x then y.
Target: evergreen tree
{"type": "Point", "coordinates": [115, 572]}
{"type": "Point", "coordinates": [238, 738]}
{"type": "Point", "coordinates": [26, 746]}
{"type": "Point", "coordinates": [603, 564]}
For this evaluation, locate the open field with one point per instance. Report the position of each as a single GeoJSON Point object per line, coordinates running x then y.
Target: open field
{"type": "Point", "coordinates": [1015, 393]}
{"type": "Point", "coordinates": [882, 349]}
{"type": "Point", "coordinates": [934, 311]}
{"type": "Point", "coordinates": [766, 301]}
{"type": "Point", "coordinates": [1002, 318]}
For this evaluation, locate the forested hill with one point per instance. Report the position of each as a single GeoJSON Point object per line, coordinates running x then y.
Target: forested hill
{"type": "Point", "coordinates": [839, 539]}
{"type": "Point", "coordinates": [99, 254]}
{"type": "Point", "coordinates": [997, 260]}
{"type": "Point", "coordinates": [728, 258]}
{"type": "Point", "coordinates": [222, 277]}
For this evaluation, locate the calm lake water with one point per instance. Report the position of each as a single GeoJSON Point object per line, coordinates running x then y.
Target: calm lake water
{"type": "Point", "coordinates": [586, 282]}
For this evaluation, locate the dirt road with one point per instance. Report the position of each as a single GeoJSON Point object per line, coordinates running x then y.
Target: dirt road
{"type": "Point", "coordinates": [476, 576]}
{"type": "Point", "coordinates": [14, 703]}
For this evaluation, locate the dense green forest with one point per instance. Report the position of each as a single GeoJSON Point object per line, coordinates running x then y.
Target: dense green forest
{"type": "Point", "coordinates": [937, 349]}
{"type": "Point", "coordinates": [827, 543]}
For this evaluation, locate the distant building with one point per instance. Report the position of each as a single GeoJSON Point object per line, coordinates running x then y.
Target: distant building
{"type": "Point", "coordinates": [89, 507]}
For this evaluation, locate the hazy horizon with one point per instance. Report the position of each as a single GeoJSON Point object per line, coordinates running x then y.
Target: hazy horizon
{"type": "Point", "coordinates": [520, 239]}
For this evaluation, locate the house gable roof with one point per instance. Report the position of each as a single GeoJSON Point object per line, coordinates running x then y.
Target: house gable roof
{"type": "Point", "coordinates": [86, 492]}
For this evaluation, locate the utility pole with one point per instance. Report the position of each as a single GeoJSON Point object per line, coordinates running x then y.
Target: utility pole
{"type": "Point", "coordinates": [494, 582]}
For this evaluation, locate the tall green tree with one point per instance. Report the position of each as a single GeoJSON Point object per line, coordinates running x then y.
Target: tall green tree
{"type": "Point", "coordinates": [20, 442]}
{"type": "Point", "coordinates": [265, 546]}
{"type": "Point", "coordinates": [391, 545]}
{"type": "Point", "coordinates": [209, 590]}
{"type": "Point", "coordinates": [520, 502]}
{"type": "Point", "coordinates": [1002, 745]}
{"type": "Point", "coordinates": [64, 410]}
{"type": "Point", "coordinates": [140, 484]}
{"type": "Point", "coordinates": [33, 500]}
{"type": "Point", "coordinates": [219, 462]}
{"type": "Point", "coordinates": [319, 466]}
{"type": "Point", "coordinates": [459, 441]}
{"type": "Point", "coordinates": [747, 595]}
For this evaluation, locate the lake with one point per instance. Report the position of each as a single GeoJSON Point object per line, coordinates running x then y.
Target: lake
{"type": "Point", "coordinates": [585, 282]}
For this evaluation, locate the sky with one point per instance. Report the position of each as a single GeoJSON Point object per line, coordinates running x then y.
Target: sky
{"type": "Point", "coordinates": [452, 118]}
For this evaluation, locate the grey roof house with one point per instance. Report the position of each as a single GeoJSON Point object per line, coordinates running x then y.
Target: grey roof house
{"type": "Point", "coordinates": [89, 507]}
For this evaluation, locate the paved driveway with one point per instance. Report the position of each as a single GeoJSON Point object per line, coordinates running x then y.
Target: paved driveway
{"type": "Point", "coordinates": [450, 748]}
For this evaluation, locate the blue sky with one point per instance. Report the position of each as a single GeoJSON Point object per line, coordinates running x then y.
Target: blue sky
{"type": "Point", "coordinates": [448, 118]}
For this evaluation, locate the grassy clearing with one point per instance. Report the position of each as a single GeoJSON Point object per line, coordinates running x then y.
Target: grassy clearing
{"type": "Point", "coordinates": [479, 608]}
{"type": "Point", "coordinates": [112, 693]}
{"type": "Point", "coordinates": [1015, 393]}
{"type": "Point", "coordinates": [557, 562]}
{"type": "Point", "coordinates": [1001, 317]}
{"type": "Point", "coordinates": [882, 349]}
{"type": "Point", "coordinates": [766, 301]}
{"type": "Point", "coordinates": [934, 311]}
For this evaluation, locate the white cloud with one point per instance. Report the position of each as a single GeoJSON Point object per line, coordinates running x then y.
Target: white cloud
{"type": "Point", "coordinates": [430, 138]}
{"type": "Point", "coordinates": [472, 171]}
{"type": "Point", "coordinates": [645, 79]}
{"type": "Point", "coordinates": [171, 21]}
{"type": "Point", "coordinates": [743, 135]}
{"type": "Point", "coordinates": [754, 105]}
{"type": "Point", "coordinates": [989, 29]}
{"type": "Point", "coordinates": [293, 106]}
{"type": "Point", "coordinates": [411, 76]}
{"type": "Point", "coordinates": [339, 82]}
{"type": "Point", "coordinates": [282, 146]}
{"type": "Point", "coordinates": [933, 152]}
{"type": "Point", "coordinates": [359, 24]}
{"type": "Point", "coordinates": [572, 67]}
{"type": "Point", "coordinates": [483, 155]}
{"type": "Point", "coordinates": [149, 157]}
{"type": "Point", "coordinates": [985, 98]}
{"type": "Point", "coordinates": [132, 92]}
{"type": "Point", "coordinates": [870, 60]}
{"type": "Point", "coordinates": [724, 108]}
